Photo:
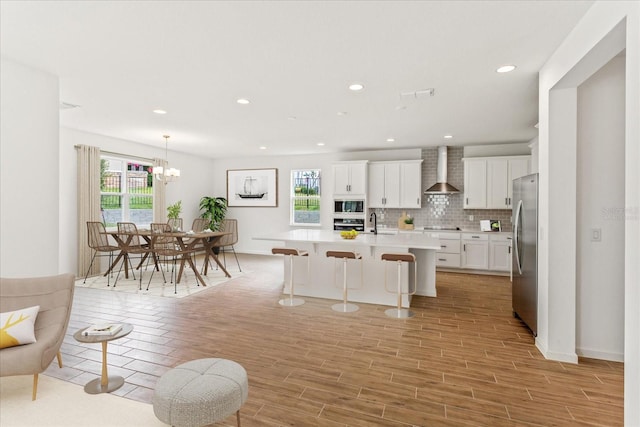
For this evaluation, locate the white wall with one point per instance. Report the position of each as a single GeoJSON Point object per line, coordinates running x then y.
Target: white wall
{"type": "Point", "coordinates": [256, 221]}
{"type": "Point", "coordinates": [588, 37]}
{"type": "Point", "coordinates": [253, 222]}
{"type": "Point", "coordinates": [600, 202]}
{"type": "Point", "coordinates": [196, 181]}
{"type": "Point", "coordinates": [29, 172]}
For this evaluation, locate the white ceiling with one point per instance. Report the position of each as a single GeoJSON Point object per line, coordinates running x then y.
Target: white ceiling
{"type": "Point", "coordinates": [119, 60]}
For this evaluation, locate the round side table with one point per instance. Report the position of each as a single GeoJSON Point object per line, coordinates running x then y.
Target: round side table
{"type": "Point", "coordinates": [106, 383]}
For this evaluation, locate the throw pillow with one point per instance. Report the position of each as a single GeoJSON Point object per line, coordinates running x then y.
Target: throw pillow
{"type": "Point", "coordinates": [16, 327]}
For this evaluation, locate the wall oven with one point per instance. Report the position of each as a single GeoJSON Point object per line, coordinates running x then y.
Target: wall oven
{"type": "Point", "coordinates": [348, 206]}
{"type": "Point", "coordinates": [340, 224]}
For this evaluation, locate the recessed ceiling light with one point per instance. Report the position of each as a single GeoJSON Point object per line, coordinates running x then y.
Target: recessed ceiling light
{"type": "Point", "coordinates": [391, 140]}
{"type": "Point", "coordinates": [448, 136]}
{"type": "Point", "coordinates": [263, 148]}
{"type": "Point", "coordinates": [243, 101]}
{"type": "Point", "coordinates": [506, 68]}
{"type": "Point", "coordinates": [160, 111]}
{"type": "Point", "coordinates": [292, 118]}
{"type": "Point", "coordinates": [356, 87]}
{"type": "Point", "coordinates": [401, 107]}
{"type": "Point", "coordinates": [342, 113]}
{"type": "Point", "coordinates": [320, 144]}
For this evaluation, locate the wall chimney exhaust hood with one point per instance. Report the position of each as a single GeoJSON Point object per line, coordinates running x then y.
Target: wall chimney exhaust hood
{"type": "Point", "coordinates": [441, 186]}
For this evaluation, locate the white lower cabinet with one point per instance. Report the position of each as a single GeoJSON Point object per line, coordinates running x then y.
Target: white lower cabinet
{"type": "Point", "coordinates": [475, 251]}
{"type": "Point", "coordinates": [500, 252]}
{"type": "Point", "coordinates": [449, 253]}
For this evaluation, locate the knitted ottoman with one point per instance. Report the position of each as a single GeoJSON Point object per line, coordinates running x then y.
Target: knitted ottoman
{"type": "Point", "coordinates": [200, 392]}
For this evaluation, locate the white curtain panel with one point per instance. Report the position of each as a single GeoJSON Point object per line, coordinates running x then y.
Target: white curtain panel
{"type": "Point", "coordinates": [159, 195]}
{"type": "Point", "coordinates": [88, 204]}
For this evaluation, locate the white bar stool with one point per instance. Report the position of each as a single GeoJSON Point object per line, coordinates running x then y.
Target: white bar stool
{"type": "Point", "coordinates": [291, 252]}
{"type": "Point", "coordinates": [399, 312]}
{"type": "Point", "coordinates": [344, 306]}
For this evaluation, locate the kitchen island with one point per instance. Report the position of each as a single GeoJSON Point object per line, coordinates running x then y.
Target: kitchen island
{"type": "Point", "coordinates": [321, 277]}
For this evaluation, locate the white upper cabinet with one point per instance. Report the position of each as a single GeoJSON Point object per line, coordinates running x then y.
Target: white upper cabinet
{"type": "Point", "coordinates": [411, 184]}
{"type": "Point", "coordinates": [488, 181]}
{"type": "Point", "coordinates": [395, 184]}
{"type": "Point", "coordinates": [500, 176]}
{"type": "Point", "coordinates": [475, 183]}
{"type": "Point", "coordinates": [350, 179]}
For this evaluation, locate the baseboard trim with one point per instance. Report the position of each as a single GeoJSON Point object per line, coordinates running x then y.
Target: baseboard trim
{"type": "Point", "coordinates": [600, 355]}
{"type": "Point", "coordinates": [558, 357]}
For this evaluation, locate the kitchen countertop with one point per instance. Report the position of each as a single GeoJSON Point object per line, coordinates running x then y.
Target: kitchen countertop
{"type": "Point", "coordinates": [418, 230]}
{"type": "Point", "coordinates": [390, 240]}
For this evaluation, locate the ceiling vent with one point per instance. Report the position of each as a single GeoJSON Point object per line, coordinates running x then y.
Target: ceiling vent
{"type": "Point", "coordinates": [417, 94]}
{"type": "Point", "coordinates": [68, 106]}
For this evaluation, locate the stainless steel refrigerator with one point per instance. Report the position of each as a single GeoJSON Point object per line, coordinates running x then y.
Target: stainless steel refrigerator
{"type": "Point", "coordinates": [525, 250]}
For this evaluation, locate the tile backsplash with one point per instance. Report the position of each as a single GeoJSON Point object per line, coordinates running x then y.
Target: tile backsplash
{"type": "Point", "coordinates": [444, 210]}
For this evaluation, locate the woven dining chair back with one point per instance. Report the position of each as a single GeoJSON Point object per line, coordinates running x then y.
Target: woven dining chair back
{"type": "Point", "coordinates": [97, 236]}
{"type": "Point", "coordinates": [228, 240]}
{"type": "Point", "coordinates": [162, 243]}
{"type": "Point", "coordinates": [130, 228]}
{"type": "Point", "coordinates": [99, 242]}
{"type": "Point", "coordinates": [199, 224]}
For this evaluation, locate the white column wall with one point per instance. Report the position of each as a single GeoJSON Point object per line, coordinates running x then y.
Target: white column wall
{"type": "Point", "coordinates": [600, 205]}
{"type": "Point", "coordinates": [29, 206]}
{"type": "Point", "coordinates": [597, 23]}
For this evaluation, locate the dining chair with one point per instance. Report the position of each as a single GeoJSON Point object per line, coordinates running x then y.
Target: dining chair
{"type": "Point", "coordinates": [228, 240]}
{"type": "Point", "coordinates": [99, 242]}
{"type": "Point", "coordinates": [199, 224]}
{"type": "Point", "coordinates": [130, 243]}
{"type": "Point", "coordinates": [169, 248]}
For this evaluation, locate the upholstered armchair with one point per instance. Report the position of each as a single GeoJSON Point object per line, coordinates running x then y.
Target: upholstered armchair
{"type": "Point", "coordinates": [54, 295]}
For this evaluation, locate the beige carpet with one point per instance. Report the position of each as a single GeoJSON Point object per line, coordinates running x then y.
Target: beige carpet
{"type": "Point", "coordinates": [187, 286]}
{"type": "Point", "coordinates": [63, 404]}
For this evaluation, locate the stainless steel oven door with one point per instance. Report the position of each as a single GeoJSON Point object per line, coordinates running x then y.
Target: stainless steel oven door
{"type": "Point", "coordinates": [348, 224]}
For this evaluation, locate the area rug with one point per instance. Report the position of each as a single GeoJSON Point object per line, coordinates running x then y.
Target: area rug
{"type": "Point", "coordinates": [157, 287]}
{"type": "Point", "coordinates": [63, 404]}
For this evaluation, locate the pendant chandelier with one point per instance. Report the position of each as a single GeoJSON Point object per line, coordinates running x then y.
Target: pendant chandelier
{"type": "Point", "coordinates": [166, 174]}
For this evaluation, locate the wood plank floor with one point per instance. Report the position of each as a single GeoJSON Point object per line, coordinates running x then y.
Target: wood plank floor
{"type": "Point", "coordinates": [463, 360]}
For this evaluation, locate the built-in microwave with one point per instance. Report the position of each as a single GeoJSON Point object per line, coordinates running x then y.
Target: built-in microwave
{"type": "Point", "coordinates": [348, 206]}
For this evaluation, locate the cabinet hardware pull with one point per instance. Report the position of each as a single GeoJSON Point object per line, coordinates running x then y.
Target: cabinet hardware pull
{"type": "Point", "coordinates": [475, 237]}
{"type": "Point", "coordinates": [418, 201]}
{"type": "Point", "coordinates": [506, 200]}
{"type": "Point", "coordinates": [467, 200]}
{"type": "Point", "coordinates": [464, 247]}
{"type": "Point", "coordinates": [509, 249]}
{"type": "Point", "coordinates": [442, 259]}
{"type": "Point", "coordinates": [443, 246]}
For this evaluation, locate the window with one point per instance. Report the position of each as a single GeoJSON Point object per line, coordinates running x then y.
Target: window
{"type": "Point", "coordinates": [305, 197]}
{"type": "Point", "coordinates": [126, 191]}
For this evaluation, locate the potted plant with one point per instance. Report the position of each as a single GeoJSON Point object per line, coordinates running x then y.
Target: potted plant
{"type": "Point", "coordinates": [173, 211]}
{"type": "Point", "coordinates": [409, 223]}
{"type": "Point", "coordinates": [214, 209]}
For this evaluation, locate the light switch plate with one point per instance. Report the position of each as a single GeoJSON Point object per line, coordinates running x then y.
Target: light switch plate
{"type": "Point", "coordinates": [596, 234]}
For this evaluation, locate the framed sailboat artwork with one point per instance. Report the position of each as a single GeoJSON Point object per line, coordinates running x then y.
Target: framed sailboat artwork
{"type": "Point", "coordinates": [252, 187]}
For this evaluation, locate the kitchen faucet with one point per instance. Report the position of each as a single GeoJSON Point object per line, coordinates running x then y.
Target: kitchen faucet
{"type": "Point", "coordinates": [374, 218]}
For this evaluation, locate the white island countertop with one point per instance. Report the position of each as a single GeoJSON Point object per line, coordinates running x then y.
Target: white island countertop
{"type": "Point", "coordinates": [321, 271]}
{"type": "Point", "coordinates": [401, 241]}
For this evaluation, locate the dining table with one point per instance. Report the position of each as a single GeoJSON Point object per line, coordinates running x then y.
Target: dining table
{"type": "Point", "coordinates": [188, 242]}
